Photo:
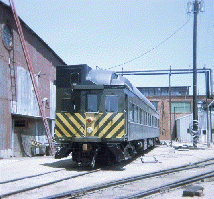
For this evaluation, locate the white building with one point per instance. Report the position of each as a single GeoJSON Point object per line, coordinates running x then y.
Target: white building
{"type": "Point", "coordinates": [205, 125]}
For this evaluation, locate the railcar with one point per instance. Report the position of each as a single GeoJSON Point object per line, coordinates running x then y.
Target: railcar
{"type": "Point", "coordinates": [101, 116]}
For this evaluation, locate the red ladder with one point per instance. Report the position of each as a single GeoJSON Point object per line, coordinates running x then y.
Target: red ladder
{"type": "Point", "coordinates": [31, 70]}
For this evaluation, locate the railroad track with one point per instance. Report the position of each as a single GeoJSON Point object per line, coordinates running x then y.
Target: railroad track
{"type": "Point", "coordinates": [18, 187]}
{"type": "Point", "coordinates": [167, 187]}
{"type": "Point", "coordinates": [47, 183]}
{"type": "Point", "coordinates": [9, 187]}
{"type": "Point", "coordinates": [146, 184]}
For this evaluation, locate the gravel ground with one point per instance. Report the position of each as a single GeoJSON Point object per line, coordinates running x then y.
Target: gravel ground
{"type": "Point", "coordinates": [161, 157]}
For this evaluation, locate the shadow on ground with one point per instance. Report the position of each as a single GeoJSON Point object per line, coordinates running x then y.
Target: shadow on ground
{"type": "Point", "coordinates": [68, 164]}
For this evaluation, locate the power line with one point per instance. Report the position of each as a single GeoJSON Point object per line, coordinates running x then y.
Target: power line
{"type": "Point", "coordinates": [151, 48]}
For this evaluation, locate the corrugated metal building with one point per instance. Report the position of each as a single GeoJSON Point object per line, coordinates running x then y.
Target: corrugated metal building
{"type": "Point", "coordinates": [205, 126]}
{"type": "Point", "coordinates": [20, 121]}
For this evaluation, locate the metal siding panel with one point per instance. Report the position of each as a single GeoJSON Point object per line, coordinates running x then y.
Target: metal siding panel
{"type": "Point", "coordinates": [4, 80]}
{"type": "Point", "coordinates": [137, 131]}
{"type": "Point", "coordinates": [52, 100]}
{"type": "Point", "coordinates": [5, 124]}
{"type": "Point", "coordinates": [26, 103]}
{"type": "Point", "coordinates": [178, 129]}
{"type": "Point", "coordinates": [184, 125]}
{"type": "Point", "coordinates": [5, 115]}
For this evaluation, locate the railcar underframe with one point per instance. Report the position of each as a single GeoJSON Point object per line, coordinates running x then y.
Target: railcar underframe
{"type": "Point", "coordinates": [104, 152]}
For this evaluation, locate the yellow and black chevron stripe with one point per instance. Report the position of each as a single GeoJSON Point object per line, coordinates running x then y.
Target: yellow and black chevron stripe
{"type": "Point", "coordinates": [110, 125]}
{"type": "Point", "coordinates": [70, 125]}
{"type": "Point", "coordinates": [104, 125]}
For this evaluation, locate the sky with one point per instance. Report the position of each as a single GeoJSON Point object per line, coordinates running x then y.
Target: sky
{"type": "Point", "coordinates": [111, 33]}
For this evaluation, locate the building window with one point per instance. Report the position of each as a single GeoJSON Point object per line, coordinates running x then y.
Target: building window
{"type": "Point", "coordinates": [180, 107]}
{"type": "Point", "coordinates": [155, 105]}
{"type": "Point", "coordinates": [20, 123]}
{"type": "Point", "coordinates": [7, 37]}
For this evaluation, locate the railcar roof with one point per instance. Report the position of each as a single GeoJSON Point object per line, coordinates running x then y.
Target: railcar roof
{"type": "Point", "coordinates": [103, 77]}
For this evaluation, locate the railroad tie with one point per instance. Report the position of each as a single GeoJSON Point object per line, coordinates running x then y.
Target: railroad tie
{"type": "Point", "coordinates": [193, 190]}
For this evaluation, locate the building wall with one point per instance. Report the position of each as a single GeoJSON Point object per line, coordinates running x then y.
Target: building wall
{"type": "Point", "coordinates": [183, 124]}
{"type": "Point", "coordinates": [17, 97]}
{"type": "Point", "coordinates": [164, 91]}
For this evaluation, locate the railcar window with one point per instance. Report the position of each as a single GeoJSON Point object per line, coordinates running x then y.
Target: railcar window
{"type": "Point", "coordinates": [131, 112]}
{"type": "Point", "coordinates": [149, 120]}
{"type": "Point", "coordinates": [138, 110]}
{"type": "Point", "coordinates": [75, 78]}
{"type": "Point", "coordinates": [135, 114]}
{"type": "Point", "coordinates": [140, 117]}
{"type": "Point", "coordinates": [146, 118]}
{"type": "Point", "coordinates": [143, 113]}
{"type": "Point", "coordinates": [92, 103]}
{"type": "Point", "coordinates": [111, 103]}
{"type": "Point", "coordinates": [67, 76]}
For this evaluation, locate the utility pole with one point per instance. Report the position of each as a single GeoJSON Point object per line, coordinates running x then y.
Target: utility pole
{"type": "Point", "coordinates": [196, 7]}
{"type": "Point", "coordinates": [170, 124]}
{"type": "Point", "coordinates": [195, 108]}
